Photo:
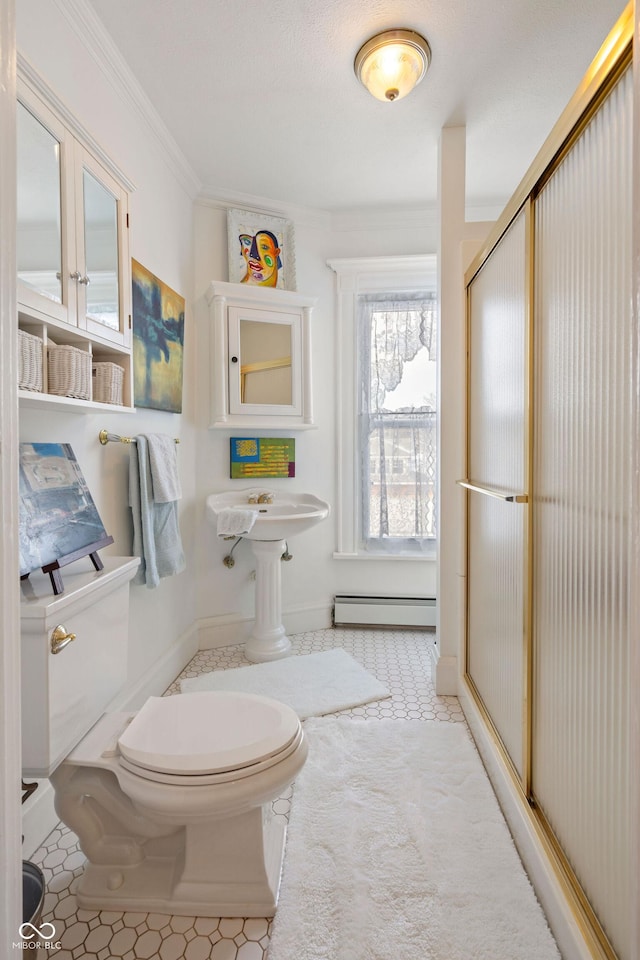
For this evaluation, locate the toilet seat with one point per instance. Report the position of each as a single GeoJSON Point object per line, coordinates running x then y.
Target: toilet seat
{"type": "Point", "coordinates": [207, 779]}
{"type": "Point", "coordinates": [208, 737]}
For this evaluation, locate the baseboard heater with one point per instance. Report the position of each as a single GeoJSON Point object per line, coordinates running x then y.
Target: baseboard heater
{"type": "Point", "coordinates": [377, 611]}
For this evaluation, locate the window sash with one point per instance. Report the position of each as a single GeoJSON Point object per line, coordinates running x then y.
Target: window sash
{"type": "Point", "coordinates": [393, 520]}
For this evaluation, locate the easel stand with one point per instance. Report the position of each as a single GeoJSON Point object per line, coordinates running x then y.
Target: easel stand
{"type": "Point", "coordinates": [53, 569]}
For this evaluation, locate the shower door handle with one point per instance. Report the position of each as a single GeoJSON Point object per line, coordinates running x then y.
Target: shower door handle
{"type": "Point", "coordinates": [496, 494]}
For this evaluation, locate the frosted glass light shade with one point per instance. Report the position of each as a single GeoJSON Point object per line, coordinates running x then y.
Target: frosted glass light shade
{"type": "Point", "coordinates": [392, 63]}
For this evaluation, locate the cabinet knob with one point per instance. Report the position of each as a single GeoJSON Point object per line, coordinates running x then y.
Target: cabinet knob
{"type": "Point", "coordinates": [234, 359]}
{"type": "Point", "coordinates": [60, 638]}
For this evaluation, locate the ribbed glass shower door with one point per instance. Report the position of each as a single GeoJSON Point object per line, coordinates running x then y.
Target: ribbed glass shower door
{"type": "Point", "coordinates": [497, 467]}
{"type": "Point", "coordinates": [583, 516]}
{"type": "Point", "coordinates": [552, 440]}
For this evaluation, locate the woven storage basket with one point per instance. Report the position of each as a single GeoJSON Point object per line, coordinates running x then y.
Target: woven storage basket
{"type": "Point", "coordinates": [107, 382]}
{"type": "Point", "coordinates": [69, 372]}
{"type": "Point", "coordinates": [29, 361]}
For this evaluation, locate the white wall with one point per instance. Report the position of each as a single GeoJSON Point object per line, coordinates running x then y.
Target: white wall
{"type": "Point", "coordinates": [161, 239]}
{"type": "Point", "coordinates": [313, 577]}
{"type": "Point", "coordinates": [186, 247]}
{"type": "Point", "coordinates": [11, 900]}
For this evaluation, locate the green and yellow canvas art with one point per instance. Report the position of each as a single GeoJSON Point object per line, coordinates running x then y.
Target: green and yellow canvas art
{"type": "Point", "coordinates": [262, 457]}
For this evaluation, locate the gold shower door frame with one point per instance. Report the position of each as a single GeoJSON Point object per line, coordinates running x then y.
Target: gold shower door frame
{"type": "Point", "coordinates": [613, 59]}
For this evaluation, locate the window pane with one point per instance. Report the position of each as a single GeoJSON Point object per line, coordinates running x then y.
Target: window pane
{"type": "Point", "coordinates": [398, 421]}
{"type": "Point", "coordinates": [402, 480]}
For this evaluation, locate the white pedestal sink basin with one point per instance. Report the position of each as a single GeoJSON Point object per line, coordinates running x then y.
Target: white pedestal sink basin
{"type": "Point", "coordinates": [274, 524]}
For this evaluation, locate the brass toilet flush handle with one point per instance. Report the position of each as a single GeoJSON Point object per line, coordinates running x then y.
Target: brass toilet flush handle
{"type": "Point", "coordinates": [60, 638]}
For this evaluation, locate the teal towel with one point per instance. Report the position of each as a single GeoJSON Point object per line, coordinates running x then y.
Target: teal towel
{"type": "Point", "coordinates": [156, 534]}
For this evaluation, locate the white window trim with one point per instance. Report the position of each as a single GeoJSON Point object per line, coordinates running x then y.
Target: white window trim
{"type": "Point", "coordinates": [355, 276]}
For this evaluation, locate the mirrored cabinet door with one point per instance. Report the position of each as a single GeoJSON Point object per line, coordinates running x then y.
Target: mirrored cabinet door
{"type": "Point", "coordinates": [72, 249]}
{"type": "Point", "coordinates": [260, 358]}
{"type": "Point", "coordinates": [100, 252]}
{"type": "Point", "coordinates": [102, 290]}
{"type": "Point", "coordinates": [44, 235]}
{"type": "Point", "coordinates": [264, 362]}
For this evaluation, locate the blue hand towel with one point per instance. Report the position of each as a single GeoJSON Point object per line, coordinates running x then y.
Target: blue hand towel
{"type": "Point", "coordinates": [156, 534]}
{"type": "Point", "coordinates": [163, 460]}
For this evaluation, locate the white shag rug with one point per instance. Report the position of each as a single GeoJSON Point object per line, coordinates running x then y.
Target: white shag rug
{"type": "Point", "coordinates": [313, 684]}
{"type": "Point", "coordinates": [397, 850]}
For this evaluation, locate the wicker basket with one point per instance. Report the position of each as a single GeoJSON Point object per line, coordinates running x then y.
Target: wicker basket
{"type": "Point", "coordinates": [69, 371]}
{"type": "Point", "coordinates": [30, 361]}
{"type": "Point", "coordinates": [107, 382]}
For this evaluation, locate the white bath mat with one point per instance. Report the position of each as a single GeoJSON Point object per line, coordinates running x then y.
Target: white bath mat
{"type": "Point", "coordinates": [397, 850]}
{"type": "Point", "coordinates": [313, 684]}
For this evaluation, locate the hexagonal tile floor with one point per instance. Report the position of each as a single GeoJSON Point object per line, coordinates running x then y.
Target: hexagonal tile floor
{"type": "Point", "coordinates": [399, 659]}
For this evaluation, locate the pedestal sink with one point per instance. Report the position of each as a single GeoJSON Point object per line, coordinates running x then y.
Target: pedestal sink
{"type": "Point", "coordinates": [275, 523]}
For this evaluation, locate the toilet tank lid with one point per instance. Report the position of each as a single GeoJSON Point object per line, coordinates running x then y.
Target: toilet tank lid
{"type": "Point", "coordinates": [207, 732]}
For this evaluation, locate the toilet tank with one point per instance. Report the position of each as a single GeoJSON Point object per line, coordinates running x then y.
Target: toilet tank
{"type": "Point", "coordinates": [66, 684]}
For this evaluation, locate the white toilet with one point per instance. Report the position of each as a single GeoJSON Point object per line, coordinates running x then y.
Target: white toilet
{"type": "Point", "coordinates": [172, 804]}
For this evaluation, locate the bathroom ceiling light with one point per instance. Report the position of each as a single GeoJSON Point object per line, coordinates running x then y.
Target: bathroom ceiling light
{"type": "Point", "coordinates": [392, 63]}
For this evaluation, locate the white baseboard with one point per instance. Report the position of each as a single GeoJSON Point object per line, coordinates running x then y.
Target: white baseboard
{"type": "Point", "coordinates": [308, 617]}
{"type": "Point", "coordinates": [550, 893]}
{"type": "Point", "coordinates": [38, 814]}
{"type": "Point", "coordinates": [446, 675]}
{"type": "Point", "coordinates": [231, 628]}
{"type": "Point", "coordinates": [163, 672]}
{"type": "Point", "coordinates": [39, 818]}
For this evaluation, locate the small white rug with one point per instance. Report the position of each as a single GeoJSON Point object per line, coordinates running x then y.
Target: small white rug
{"type": "Point", "coordinates": [313, 684]}
{"type": "Point", "coordinates": [397, 850]}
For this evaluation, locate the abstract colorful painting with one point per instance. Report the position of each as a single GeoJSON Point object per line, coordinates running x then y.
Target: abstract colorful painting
{"type": "Point", "coordinates": [158, 340]}
{"type": "Point", "coordinates": [262, 457]}
{"type": "Point", "coordinates": [261, 250]}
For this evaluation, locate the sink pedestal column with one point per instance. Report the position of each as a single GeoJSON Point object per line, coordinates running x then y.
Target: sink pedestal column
{"type": "Point", "coordinates": [268, 639]}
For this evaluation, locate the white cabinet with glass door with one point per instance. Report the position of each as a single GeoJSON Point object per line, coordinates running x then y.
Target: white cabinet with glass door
{"type": "Point", "coordinates": [72, 245]}
{"type": "Point", "coordinates": [73, 266]}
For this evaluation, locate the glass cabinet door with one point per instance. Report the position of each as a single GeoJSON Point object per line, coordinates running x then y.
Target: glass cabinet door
{"type": "Point", "coordinates": [101, 221]}
{"type": "Point", "coordinates": [44, 246]}
{"type": "Point", "coordinates": [264, 362]}
{"type": "Point", "coordinates": [71, 237]}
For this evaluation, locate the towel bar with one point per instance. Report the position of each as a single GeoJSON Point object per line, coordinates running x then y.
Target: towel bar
{"type": "Point", "coordinates": [104, 437]}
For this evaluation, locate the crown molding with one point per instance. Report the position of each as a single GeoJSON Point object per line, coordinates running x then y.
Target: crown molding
{"type": "Point", "coordinates": [363, 218]}
{"type": "Point", "coordinates": [98, 42]}
{"type": "Point", "coordinates": [29, 78]}
{"type": "Point", "coordinates": [211, 196]}
{"type": "Point", "coordinates": [408, 216]}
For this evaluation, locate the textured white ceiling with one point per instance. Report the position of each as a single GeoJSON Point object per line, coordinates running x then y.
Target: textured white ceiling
{"type": "Point", "coordinates": [263, 101]}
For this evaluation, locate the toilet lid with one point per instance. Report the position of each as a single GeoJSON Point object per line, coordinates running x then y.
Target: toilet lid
{"type": "Point", "coordinates": [207, 732]}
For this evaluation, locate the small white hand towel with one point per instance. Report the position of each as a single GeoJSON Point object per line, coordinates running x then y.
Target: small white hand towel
{"type": "Point", "coordinates": [235, 523]}
{"type": "Point", "coordinates": [163, 463]}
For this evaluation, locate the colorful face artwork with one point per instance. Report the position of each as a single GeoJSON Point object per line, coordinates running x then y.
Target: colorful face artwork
{"type": "Point", "coordinates": [262, 255]}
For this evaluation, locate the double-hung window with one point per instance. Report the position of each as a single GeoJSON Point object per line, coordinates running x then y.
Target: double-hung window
{"type": "Point", "coordinates": [386, 324]}
{"type": "Point", "coordinates": [396, 429]}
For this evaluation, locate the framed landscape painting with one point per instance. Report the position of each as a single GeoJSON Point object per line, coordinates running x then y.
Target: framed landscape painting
{"type": "Point", "coordinates": [158, 342]}
{"type": "Point", "coordinates": [261, 250]}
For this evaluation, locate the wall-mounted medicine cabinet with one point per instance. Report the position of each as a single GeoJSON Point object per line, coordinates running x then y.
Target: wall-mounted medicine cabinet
{"type": "Point", "coordinates": [72, 249]}
{"type": "Point", "coordinates": [260, 357]}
